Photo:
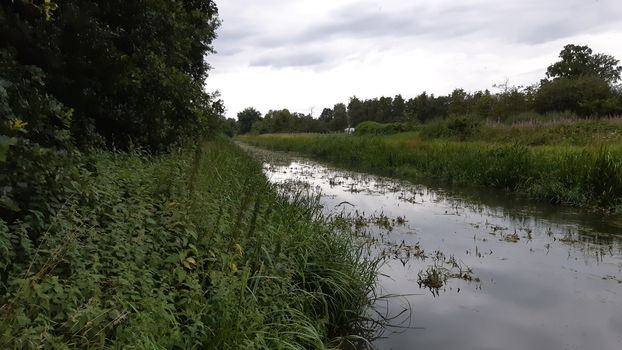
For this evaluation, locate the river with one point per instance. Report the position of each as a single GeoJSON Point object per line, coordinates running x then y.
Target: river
{"type": "Point", "coordinates": [475, 269]}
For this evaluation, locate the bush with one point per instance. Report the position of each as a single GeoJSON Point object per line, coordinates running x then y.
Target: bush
{"type": "Point", "coordinates": [374, 128]}
{"type": "Point", "coordinates": [454, 127]}
{"type": "Point", "coordinates": [586, 96]}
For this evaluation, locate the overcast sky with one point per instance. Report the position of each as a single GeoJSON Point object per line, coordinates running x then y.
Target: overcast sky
{"type": "Point", "coordinates": [308, 54]}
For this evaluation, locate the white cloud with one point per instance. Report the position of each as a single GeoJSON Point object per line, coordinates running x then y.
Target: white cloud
{"type": "Point", "coordinates": [307, 54]}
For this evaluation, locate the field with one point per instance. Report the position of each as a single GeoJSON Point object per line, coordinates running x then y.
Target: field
{"type": "Point", "coordinates": [576, 163]}
{"type": "Point", "coordinates": [194, 249]}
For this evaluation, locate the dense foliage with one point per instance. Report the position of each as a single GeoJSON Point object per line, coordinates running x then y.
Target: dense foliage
{"type": "Point", "coordinates": [132, 71]}
{"type": "Point", "coordinates": [581, 84]}
{"type": "Point", "coordinates": [78, 74]}
{"type": "Point", "coordinates": [184, 251]}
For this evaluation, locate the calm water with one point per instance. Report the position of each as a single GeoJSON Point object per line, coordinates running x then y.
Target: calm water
{"type": "Point", "coordinates": [533, 276]}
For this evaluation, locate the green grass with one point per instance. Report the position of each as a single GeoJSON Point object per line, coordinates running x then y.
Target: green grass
{"type": "Point", "coordinates": [535, 132]}
{"type": "Point", "coordinates": [573, 175]}
{"type": "Point", "coordinates": [192, 250]}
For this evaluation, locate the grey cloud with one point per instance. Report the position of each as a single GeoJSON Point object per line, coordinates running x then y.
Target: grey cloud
{"type": "Point", "coordinates": [529, 22]}
{"type": "Point", "coordinates": [291, 60]}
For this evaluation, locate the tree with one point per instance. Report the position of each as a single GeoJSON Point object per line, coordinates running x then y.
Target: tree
{"type": "Point", "coordinates": [458, 103]}
{"type": "Point", "coordinates": [484, 103]}
{"type": "Point", "coordinates": [585, 96]}
{"type": "Point", "coordinates": [326, 116]}
{"type": "Point", "coordinates": [398, 108]}
{"type": "Point", "coordinates": [246, 118]}
{"type": "Point", "coordinates": [384, 109]}
{"type": "Point", "coordinates": [133, 70]}
{"type": "Point", "coordinates": [340, 117]}
{"type": "Point", "coordinates": [356, 112]}
{"type": "Point", "coordinates": [577, 61]}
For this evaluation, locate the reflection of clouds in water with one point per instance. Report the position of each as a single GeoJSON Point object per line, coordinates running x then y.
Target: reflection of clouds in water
{"type": "Point", "coordinates": [544, 289]}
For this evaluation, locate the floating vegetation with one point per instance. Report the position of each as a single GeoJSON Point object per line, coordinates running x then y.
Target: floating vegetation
{"type": "Point", "coordinates": [435, 277]}
{"type": "Point", "coordinates": [512, 238]}
{"type": "Point", "coordinates": [360, 220]}
{"type": "Point", "coordinates": [612, 278]}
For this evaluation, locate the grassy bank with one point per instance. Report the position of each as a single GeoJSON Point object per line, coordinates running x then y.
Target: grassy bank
{"type": "Point", "coordinates": [188, 250]}
{"type": "Point", "coordinates": [574, 175]}
{"type": "Point", "coordinates": [528, 132]}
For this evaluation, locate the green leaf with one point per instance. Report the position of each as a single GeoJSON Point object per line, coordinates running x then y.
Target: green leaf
{"type": "Point", "coordinates": [5, 143]}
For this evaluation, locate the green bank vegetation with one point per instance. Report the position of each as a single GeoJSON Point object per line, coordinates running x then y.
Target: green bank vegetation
{"type": "Point", "coordinates": [187, 250]}
{"type": "Point", "coordinates": [116, 230]}
{"type": "Point", "coordinates": [568, 168]}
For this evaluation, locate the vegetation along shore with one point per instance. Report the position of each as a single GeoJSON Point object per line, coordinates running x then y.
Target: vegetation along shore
{"type": "Point", "coordinates": [574, 163]}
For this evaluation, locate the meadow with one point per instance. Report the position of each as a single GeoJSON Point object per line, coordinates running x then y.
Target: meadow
{"type": "Point", "coordinates": [571, 162]}
{"type": "Point", "coordinates": [192, 249]}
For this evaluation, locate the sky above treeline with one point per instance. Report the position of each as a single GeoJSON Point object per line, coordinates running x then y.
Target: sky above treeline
{"type": "Point", "coordinates": [305, 55]}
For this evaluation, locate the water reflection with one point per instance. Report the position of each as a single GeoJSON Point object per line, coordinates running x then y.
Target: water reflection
{"type": "Point", "coordinates": [511, 274]}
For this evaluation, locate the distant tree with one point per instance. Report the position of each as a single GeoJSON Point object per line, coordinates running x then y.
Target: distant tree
{"type": "Point", "coordinates": [246, 118]}
{"type": "Point", "coordinates": [577, 61]}
{"type": "Point", "coordinates": [229, 127]}
{"type": "Point", "coordinates": [356, 112]}
{"type": "Point", "coordinates": [398, 109]}
{"type": "Point", "coordinates": [428, 107]}
{"type": "Point", "coordinates": [326, 116]}
{"type": "Point", "coordinates": [458, 102]}
{"type": "Point", "coordinates": [279, 121]}
{"type": "Point", "coordinates": [509, 101]}
{"type": "Point", "coordinates": [340, 117]}
{"type": "Point", "coordinates": [384, 110]}
{"type": "Point", "coordinates": [483, 104]}
{"type": "Point", "coordinates": [586, 96]}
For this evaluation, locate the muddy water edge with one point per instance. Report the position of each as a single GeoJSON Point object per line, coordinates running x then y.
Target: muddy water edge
{"type": "Point", "coordinates": [474, 269]}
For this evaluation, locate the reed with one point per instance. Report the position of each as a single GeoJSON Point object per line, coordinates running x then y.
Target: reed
{"type": "Point", "coordinates": [561, 174]}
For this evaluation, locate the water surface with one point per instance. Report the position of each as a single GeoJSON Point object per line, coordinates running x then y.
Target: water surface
{"type": "Point", "coordinates": [532, 276]}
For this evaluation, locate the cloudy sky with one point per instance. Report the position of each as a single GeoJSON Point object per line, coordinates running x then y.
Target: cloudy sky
{"type": "Point", "coordinates": [308, 54]}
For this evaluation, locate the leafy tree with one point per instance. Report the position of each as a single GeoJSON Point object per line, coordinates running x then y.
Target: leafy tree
{"type": "Point", "coordinates": [585, 96]}
{"type": "Point", "coordinates": [246, 118]}
{"type": "Point", "coordinates": [326, 116]}
{"type": "Point", "coordinates": [483, 104]}
{"type": "Point", "coordinates": [577, 61]}
{"type": "Point", "coordinates": [133, 70]}
{"type": "Point", "coordinates": [229, 126]}
{"type": "Point", "coordinates": [340, 117]}
{"type": "Point", "coordinates": [384, 110]}
{"type": "Point", "coordinates": [398, 109]}
{"type": "Point", "coordinates": [458, 102]}
{"type": "Point", "coordinates": [356, 112]}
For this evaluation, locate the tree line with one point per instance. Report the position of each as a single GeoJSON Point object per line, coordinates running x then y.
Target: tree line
{"type": "Point", "coordinates": [580, 84]}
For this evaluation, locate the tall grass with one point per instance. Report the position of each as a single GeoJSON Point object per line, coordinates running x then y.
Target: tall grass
{"type": "Point", "coordinates": [579, 176]}
{"type": "Point", "coordinates": [190, 250]}
{"type": "Point", "coordinates": [529, 132]}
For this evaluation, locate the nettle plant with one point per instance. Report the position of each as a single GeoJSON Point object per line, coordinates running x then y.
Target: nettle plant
{"type": "Point", "coordinates": [37, 159]}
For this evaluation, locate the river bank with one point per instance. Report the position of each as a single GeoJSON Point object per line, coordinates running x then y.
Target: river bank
{"type": "Point", "coordinates": [473, 270]}
{"type": "Point", "coordinates": [193, 249]}
{"type": "Point", "coordinates": [582, 176]}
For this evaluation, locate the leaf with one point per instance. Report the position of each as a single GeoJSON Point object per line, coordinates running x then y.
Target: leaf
{"type": "Point", "coordinates": [238, 249]}
{"type": "Point", "coordinates": [190, 263]}
{"type": "Point", "coordinates": [8, 203]}
{"type": "Point", "coordinates": [5, 143]}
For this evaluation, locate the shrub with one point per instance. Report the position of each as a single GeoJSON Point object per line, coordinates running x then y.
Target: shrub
{"type": "Point", "coordinates": [375, 128]}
